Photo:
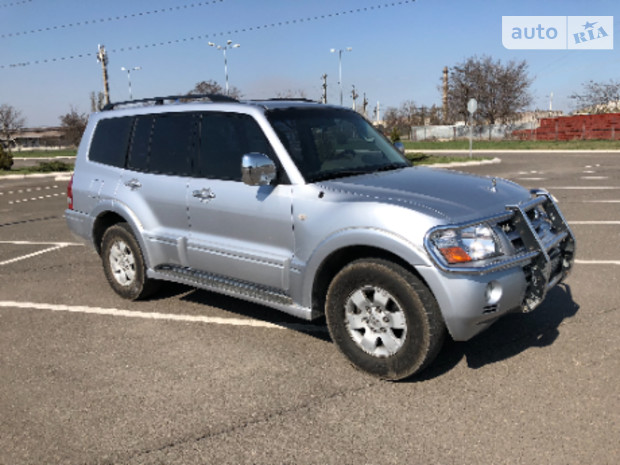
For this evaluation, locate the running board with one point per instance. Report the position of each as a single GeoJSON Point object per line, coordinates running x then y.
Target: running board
{"type": "Point", "coordinates": [264, 295]}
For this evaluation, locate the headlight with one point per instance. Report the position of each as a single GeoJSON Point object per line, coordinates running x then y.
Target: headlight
{"type": "Point", "coordinates": [463, 245]}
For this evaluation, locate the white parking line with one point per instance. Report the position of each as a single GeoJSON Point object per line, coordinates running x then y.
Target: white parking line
{"type": "Point", "coordinates": [598, 262]}
{"type": "Point", "coordinates": [584, 188]}
{"type": "Point", "coordinates": [599, 223]}
{"type": "Point", "coordinates": [54, 246]}
{"type": "Point", "coordinates": [158, 316]}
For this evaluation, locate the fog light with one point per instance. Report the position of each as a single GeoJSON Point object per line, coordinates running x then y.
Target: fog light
{"type": "Point", "coordinates": [493, 292]}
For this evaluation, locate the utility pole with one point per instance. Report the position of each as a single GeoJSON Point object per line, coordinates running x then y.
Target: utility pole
{"type": "Point", "coordinates": [445, 95]}
{"type": "Point", "coordinates": [364, 105]}
{"type": "Point", "coordinates": [102, 57]}
{"type": "Point", "coordinates": [324, 86]}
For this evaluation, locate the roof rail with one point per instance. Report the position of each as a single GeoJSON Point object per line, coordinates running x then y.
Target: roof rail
{"type": "Point", "coordinates": [175, 98]}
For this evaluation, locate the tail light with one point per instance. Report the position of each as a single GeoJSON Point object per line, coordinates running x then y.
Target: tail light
{"type": "Point", "coordinates": [70, 194]}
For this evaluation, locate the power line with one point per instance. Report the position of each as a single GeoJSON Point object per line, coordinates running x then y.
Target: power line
{"type": "Point", "coordinates": [108, 19]}
{"type": "Point", "coordinates": [216, 34]}
{"type": "Point", "coordinates": [8, 5]}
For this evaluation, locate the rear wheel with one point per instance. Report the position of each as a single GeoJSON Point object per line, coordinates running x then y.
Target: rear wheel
{"type": "Point", "coordinates": [384, 319]}
{"type": "Point", "coordinates": [123, 263]}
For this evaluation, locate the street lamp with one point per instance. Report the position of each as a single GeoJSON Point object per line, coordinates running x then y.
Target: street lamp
{"type": "Point", "coordinates": [129, 70]}
{"type": "Point", "coordinates": [333, 50]}
{"type": "Point", "coordinates": [223, 48]}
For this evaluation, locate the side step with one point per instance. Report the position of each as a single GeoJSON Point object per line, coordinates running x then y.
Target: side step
{"type": "Point", "coordinates": [264, 295]}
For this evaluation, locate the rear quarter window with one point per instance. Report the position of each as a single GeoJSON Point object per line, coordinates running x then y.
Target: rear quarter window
{"type": "Point", "coordinates": [110, 141]}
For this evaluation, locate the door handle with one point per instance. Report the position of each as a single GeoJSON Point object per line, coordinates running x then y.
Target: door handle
{"type": "Point", "coordinates": [133, 184]}
{"type": "Point", "coordinates": [204, 194]}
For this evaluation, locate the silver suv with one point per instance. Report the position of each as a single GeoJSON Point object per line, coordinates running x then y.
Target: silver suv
{"type": "Point", "coordinates": [307, 209]}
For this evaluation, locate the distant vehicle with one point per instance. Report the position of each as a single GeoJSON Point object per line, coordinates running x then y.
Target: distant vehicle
{"type": "Point", "coordinates": [307, 209]}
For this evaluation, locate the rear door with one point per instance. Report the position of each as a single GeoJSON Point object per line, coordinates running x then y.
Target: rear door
{"type": "Point", "coordinates": [154, 186]}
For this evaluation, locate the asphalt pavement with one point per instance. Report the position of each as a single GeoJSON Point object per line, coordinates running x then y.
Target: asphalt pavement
{"type": "Point", "coordinates": [190, 377]}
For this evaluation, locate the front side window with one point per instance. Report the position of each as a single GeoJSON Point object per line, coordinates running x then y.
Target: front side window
{"type": "Point", "coordinates": [225, 138]}
{"type": "Point", "coordinates": [331, 143]}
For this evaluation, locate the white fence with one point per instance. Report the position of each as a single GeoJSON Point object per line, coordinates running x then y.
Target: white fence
{"type": "Point", "coordinates": [452, 132]}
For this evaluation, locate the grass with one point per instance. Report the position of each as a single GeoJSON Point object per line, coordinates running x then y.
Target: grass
{"type": "Point", "coordinates": [44, 153]}
{"type": "Point", "coordinates": [515, 145]}
{"type": "Point", "coordinates": [44, 167]}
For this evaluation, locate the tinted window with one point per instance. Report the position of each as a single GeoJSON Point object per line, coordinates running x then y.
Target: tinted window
{"type": "Point", "coordinates": [140, 142]}
{"type": "Point", "coordinates": [173, 143]}
{"type": "Point", "coordinates": [225, 138]}
{"type": "Point", "coordinates": [164, 143]}
{"type": "Point", "coordinates": [110, 141]}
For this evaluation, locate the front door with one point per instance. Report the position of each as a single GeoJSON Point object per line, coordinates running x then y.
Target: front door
{"type": "Point", "coordinates": [237, 231]}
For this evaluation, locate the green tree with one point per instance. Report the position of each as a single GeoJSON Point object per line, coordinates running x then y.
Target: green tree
{"type": "Point", "coordinates": [6, 159]}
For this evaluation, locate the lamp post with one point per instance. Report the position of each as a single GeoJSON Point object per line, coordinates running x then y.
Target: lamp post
{"type": "Point", "coordinates": [129, 70]}
{"type": "Point", "coordinates": [223, 48]}
{"type": "Point", "coordinates": [333, 50]}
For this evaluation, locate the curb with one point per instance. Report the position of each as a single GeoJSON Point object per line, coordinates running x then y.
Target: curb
{"type": "Point", "coordinates": [456, 164]}
{"type": "Point", "coordinates": [58, 176]}
{"type": "Point", "coordinates": [516, 151]}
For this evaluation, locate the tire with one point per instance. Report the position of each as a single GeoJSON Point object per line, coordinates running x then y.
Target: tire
{"type": "Point", "coordinates": [123, 263]}
{"type": "Point", "coordinates": [383, 319]}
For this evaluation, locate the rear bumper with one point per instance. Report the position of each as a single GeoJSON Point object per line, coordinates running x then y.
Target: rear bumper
{"type": "Point", "coordinates": [81, 225]}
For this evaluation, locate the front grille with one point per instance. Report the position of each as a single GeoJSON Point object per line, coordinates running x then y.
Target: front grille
{"type": "Point", "coordinates": [538, 231]}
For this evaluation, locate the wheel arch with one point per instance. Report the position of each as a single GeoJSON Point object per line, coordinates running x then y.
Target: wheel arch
{"type": "Point", "coordinates": [340, 258]}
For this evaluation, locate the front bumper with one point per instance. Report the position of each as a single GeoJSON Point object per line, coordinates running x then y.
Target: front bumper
{"type": "Point", "coordinates": [542, 255]}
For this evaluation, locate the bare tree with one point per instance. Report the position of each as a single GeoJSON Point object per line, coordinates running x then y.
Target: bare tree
{"type": "Point", "coordinates": [11, 120]}
{"type": "Point", "coordinates": [97, 101]}
{"type": "Point", "coordinates": [400, 120]}
{"type": "Point", "coordinates": [212, 87]}
{"type": "Point", "coordinates": [599, 97]}
{"type": "Point", "coordinates": [501, 90]}
{"type": "Point", "coordinates": [73, 124]}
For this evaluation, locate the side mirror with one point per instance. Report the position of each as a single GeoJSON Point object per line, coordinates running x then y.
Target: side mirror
{"type": "Point", "coordinates": [400, 147]}
{"type": "Point", "coordinates": [257, 169]}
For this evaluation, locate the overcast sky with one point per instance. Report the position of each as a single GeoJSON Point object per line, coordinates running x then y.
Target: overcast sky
{"type": "Point", "coordinates": [48, 48]}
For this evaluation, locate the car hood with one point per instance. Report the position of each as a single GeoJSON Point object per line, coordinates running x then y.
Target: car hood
{"type": "Point", "coordinates": [448, 195]}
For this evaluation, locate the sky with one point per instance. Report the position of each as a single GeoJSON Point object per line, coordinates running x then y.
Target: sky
{"type": "Point", "coordinates": [48, 49]}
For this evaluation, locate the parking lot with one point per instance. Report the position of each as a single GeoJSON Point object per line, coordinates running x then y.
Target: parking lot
{"type": "Point", "coordinates": [192, 377]}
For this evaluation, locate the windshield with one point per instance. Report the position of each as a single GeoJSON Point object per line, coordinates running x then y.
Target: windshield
{"type": "Point", "coordinates": [327, 143]}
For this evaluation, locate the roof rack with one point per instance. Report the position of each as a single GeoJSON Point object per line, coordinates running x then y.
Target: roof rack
{"type": "Point", "coordinates": [284, 99]}
{"type": "Point", "coordinates": [178, 98]}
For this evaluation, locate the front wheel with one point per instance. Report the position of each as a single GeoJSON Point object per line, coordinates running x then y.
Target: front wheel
{"type": "Point", "coordinates": [123, 263]}
{"type": "Point", "coordinates": [384, 319]}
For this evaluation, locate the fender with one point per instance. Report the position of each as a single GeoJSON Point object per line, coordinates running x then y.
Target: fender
{"type": "Point", "coordinates": [376, 238]}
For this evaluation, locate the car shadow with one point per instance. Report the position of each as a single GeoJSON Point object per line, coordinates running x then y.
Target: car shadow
{"type": "Point", "coordinates": [508, 337]}
{"type": "Point", "coordinates": [241, 308]}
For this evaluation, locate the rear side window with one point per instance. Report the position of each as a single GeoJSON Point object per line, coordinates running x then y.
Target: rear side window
{"type": "Point", "coordinates": [164, 143]}
{"type": "Point", "coordinates": [173, 143]}
{"type": "Point", "coordinates": [110, 141]}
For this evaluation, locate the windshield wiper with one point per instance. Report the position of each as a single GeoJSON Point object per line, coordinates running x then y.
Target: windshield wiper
{"type": "Point", "coordinates": [337, 174]}
{"type": "Point", "coordinates": [391, 166]}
